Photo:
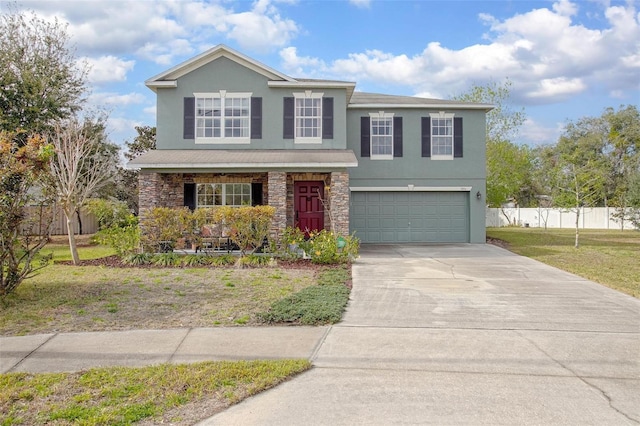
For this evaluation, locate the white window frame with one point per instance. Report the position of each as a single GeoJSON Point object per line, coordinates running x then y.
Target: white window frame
{"type": "Point", "coordinates": [226, 190]}
{"type": "Point", "coordinates": [435, 122]}
{"type": "Point", "coordinates": [376, 116]}
{"type": "Point", "coordinates": [224, 98]}
{"type": "Point", "coordinates": [306, 96]}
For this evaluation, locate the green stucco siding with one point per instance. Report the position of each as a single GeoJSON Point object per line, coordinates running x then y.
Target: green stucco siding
{"type": "Point", "coordinates": [468, 172]}
{"type": "Point", "coordinates": [225, 74]}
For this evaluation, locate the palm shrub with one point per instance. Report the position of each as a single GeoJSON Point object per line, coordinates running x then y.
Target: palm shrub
{"type": "Point", "coordinates": [249, 225]}
{"type": "Point", "coordinates": [163, 226]}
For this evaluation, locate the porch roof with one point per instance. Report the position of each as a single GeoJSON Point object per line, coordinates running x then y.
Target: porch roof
{"type": "Point", "coordinates": [244, 159]}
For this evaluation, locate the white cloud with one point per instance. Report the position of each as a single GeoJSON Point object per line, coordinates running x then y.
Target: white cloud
{"type": "Point", "coordinates": [364, 4]}
{"type": "Point", "coordinates": [151, 111]}
{"type": "Point", "coordinates": [165, 30]}
{"type": "Point", "coordinates": [560, 87]}
{"type": "Point", "coordinates": [533, 133]}
{"type": "Point", "coordinates": [115, 99]}
{"type": "Point", "coordinates": [547, 56]}
{"type": "Point", "coordinates": [107, 69]}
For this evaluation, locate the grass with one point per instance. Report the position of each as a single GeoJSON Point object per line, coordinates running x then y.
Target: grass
{"type": "Point", "coordinates": [65, 298]}
{"type": "Point", "coordinates": [176, 394]}
{"type": "Point", "coordinates": [316, 305]}
{"type": "Point", "coordinates": [609, 257]}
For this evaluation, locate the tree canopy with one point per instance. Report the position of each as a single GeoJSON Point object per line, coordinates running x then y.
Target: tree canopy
{"type": "Point", "coordinates": [40, 77]}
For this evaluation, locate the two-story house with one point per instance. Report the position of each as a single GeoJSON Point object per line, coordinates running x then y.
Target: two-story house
{"type": "Point", "coordinates": [392, 169]}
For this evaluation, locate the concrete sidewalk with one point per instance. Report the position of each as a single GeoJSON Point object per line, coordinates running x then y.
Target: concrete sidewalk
{"type": "Point", "coordinates": [137, 348]}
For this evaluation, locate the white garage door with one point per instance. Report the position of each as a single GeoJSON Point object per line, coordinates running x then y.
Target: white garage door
{"type": "Point", "coordinates": [410, 217]}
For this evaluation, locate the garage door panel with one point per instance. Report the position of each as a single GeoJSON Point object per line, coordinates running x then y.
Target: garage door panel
{"type": "Point", "coordinates": [396, 217]}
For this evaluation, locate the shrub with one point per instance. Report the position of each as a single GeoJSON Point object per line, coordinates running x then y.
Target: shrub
{"type": "Point", "coordinates": [249, 225]}
{"type": "Point", "coordinates": [124, 240]}
{"type": "Point", "coordinates": [254, 260]}
{"type": "Point", "coordinates": [137, 259]}
{"type": "Point", "coordinates": [325, 247]}
{"type": "Point", "coordinates": [109, 213]}
{"type": "Point", "coordinates": [166, 259]}
{"type": "Point", "coordinates": [222, 260]}
{"type": "Point", "coordinates": [163, 227]}
{"type": "Point", "coordinates": [195, 260]}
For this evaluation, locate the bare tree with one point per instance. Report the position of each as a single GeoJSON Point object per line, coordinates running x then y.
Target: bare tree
{"type": "Point", "coordinates": [79, 167]}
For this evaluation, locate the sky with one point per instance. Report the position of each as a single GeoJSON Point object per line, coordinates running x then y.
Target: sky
{"type": "Point", "coordinates": [564, 59]}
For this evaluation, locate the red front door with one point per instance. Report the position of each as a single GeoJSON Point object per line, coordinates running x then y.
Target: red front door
{"type": "Point", "coordinates": [309, 212]}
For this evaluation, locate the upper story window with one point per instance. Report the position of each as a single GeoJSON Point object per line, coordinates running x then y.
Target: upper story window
{"type": "Point", "coordinates": [381, 136]}
{"type": "Point", "coordinates": [223, 194]}
{"type": "Point", "coordinates": [308, 117]}
{"type": "Point", "coordinates": [442, 136]}
{"type": "Point", "coordinates": [222, 117]}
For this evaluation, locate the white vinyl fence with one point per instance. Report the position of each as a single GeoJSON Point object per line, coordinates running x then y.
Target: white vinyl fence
{"type": "Point", "coordinates": [590, 218]}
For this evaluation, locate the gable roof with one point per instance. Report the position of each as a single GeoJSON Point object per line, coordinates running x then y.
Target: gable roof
{"type": "Point", "coordinates": [169, 78]}
{"type": "Point", "coordinates": [377, 100]}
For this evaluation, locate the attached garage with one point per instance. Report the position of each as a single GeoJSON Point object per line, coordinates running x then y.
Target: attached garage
{"type": "Point", "coordinates": [410, 216]}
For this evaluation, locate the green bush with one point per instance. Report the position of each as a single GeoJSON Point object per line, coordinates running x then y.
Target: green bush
{"type": "Point", "coordinates": [325, 247]}
{"type": "Point", "coordinates": [138, 259]}
{"type": "Point", "coordinates": [222, 260]}
{"type": "Point", "coordinates": [249, 225]}
{"type": "Point", "coordinates": [124, 240]}
{"type": "Point", "coordinates": [109, 213]}
{"type": "Point", "coordinates": [195, 260]}
{"type": "Point", "coordinates": [254, 260]}
{"type": "Point", "coordinates": [166, 259]}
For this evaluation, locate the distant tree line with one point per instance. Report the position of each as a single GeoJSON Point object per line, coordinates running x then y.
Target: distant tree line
{"type": "Point", "coordinates": [594, 163]}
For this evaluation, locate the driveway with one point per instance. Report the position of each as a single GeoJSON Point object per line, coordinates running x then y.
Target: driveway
{"type": "Point", "coordinates": [465, 334]}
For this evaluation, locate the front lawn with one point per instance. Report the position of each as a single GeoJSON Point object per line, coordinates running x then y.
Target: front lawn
{"type": "Point", "coordinates": [609, 257]}
{"type": "Point", "coordinates": [162, 394]}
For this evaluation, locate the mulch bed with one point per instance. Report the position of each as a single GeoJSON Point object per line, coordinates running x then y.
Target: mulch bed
{"type": "Point", "coordinates": [115, 262]}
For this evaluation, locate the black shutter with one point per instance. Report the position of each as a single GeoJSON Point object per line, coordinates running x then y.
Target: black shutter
{"type": "Point", "coordinates": [189, 123]}
{"type": "Point", "coordinates": [288, 125]}
{"type": "Point", "coordinates": [426, 136]}
{"type": "Point", "coordinates": [256, 194]}
{"type": "Point", "coordinates": [457, 137]}
{"type": "Point", "coordinates": [190, 195]}
{"type": "Point", "coordinates": [327, 118]}
{"type": "Point", "coordinates": [256, 118]}
{"type": "Point", "coordinates": [365, 137]}
{"type": "Point", "coordinates": [397, 136]}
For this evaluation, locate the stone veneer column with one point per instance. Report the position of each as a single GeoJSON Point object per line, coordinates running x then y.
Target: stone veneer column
{"type": "Point", "coordinates": [277, 192]}
{"type": "Point", "coordinates": [148, 189]}
{"type": "Point", "coordinates": [339, 202]}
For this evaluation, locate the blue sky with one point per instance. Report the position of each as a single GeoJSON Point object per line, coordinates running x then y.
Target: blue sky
{"type": "Point", "coordinates": [565, 59]}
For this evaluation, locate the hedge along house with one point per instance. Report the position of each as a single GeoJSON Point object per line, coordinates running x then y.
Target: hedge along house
{"type": "Point", "coordinates": [232, 131]}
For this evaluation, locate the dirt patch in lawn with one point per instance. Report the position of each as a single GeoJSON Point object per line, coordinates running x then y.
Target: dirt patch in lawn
{"type": "Point", "coordinates": [104, 295]}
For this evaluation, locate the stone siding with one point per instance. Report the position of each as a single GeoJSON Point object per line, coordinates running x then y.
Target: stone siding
{"type": "Point", "coordinates": [277, 190]}
{"type": "Point", "coordinates": [339, 202]}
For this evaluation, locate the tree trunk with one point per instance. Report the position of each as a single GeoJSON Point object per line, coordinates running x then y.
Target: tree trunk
{"type": "Point", "coordinates": [79, 221]}
{"type": "Point", "coordinates": [72, 237]}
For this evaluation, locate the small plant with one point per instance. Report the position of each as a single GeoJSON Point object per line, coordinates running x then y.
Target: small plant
{"type": "Point", "coordinates": [138, 259]}
{"type": "Point", "coordinates": [166, 259]}
{"type": "Point", "coordinates": [325, 247]}
{"type": "Point", "coordinates": [253, 260]}
{"type": "Point", "coordinates": [195, 260]}
{"type": "Point", "coordinates": [222, 260]}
